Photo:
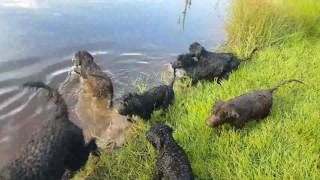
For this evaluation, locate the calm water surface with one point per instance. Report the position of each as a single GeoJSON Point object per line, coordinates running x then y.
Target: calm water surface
{"type": "Point", "coordinates": [129, 39]}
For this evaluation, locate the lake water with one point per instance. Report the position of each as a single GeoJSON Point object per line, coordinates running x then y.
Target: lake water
{"type": "Point", "coordinates": [129, 39]}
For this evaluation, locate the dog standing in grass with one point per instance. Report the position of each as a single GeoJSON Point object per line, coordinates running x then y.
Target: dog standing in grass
{"type": "Point", "coordinates": [172, 162]}
{"type": "Point", "coordinates": [240, 110]}
{"type": "Point", "coordinates": [201, 64]}
{"type": "Point", "coordinates": [144, 104]}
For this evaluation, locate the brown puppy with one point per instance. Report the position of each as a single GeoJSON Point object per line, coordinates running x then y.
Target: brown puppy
{"type": "Point", "coordinates": [89, 92]}
{"type": "Point", "coordinates": [240, 110]}
{"type": "Point", "coordinates": [101, 122]}
{"type": "Point", "coordinates": [101, 83]}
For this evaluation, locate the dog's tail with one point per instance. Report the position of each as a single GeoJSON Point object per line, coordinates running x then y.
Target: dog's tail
{"type": "Point", "coordinates": [53, 94]}
{"type": "Point", "coordinates": [256, 49]}
{"type": "Point", "coordinates": [174, 77]}
{"type": "Point", "coordinates": [283, 83]}
{"type": "Point", "coordinates": [253, 52]}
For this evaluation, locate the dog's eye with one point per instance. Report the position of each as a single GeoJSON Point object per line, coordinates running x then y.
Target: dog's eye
{"type": "Point", "coordinates": [224, 115]}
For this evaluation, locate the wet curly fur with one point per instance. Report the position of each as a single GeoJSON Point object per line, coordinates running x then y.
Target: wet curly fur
{"type": "Point", "coordinates": [57, 147]}
{"type": "Point", "coordinates": [83, 63]}
{"type": "Point", "coordinates": [172, 162]}
{"type": "Point", "coordinates": [248, 107]}
{"type": "Point", "coordinates": [200, 64]}
{"type": "Point", "coordinates": [144, 104]}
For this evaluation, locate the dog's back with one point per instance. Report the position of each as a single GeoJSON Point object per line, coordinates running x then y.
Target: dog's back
{"type": "Point", "coordinates": [159, 95]}
{"type": "Point", "coordinates": [254, 105]}
{"type": "Point", "coordinates": [211, 65]}
{"type": "Point", "coordinates": [51, 150]}
{"type": "Point", "coordinates": [174, 162]}
{"type": "Point", "coordinates": [44, 155]}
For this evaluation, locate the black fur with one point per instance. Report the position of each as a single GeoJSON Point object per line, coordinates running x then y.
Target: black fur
{"type": "Point", "coordinates": [172, 162]}
{"type": "Point", "coordinates": [144, 104]}
{"type": "Point", "coordinates": [58, 146]}
{"type": "Point", "coordinates": [201, 64]}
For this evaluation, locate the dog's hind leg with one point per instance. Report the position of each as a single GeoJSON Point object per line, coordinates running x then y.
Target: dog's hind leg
{"type": "Point", "coordinates": [223, 76]}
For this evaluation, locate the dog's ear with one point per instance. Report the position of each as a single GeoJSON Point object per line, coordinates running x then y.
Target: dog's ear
{"type": "Point", "coordinates": [232, 113]}
{"type": "Point", "coordinates": [196, 49]}
{"type": "Point", "coordinates": [217, 105]}
{"type": "Point", "coordinates": [171, 130]}
{"type": "Point", "coordinates": [83, 72]}
{"type": "Point", "coordinates": [136, 103]}
{"type": "Point", "coordinates": [168, 129]}
{"type": "Point", "coordinates": [158, 142]}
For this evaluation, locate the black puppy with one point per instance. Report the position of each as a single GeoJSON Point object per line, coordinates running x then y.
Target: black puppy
{"type": "Point", "coordinates": [144, 104]}
{"type": "Point", "coordinates": [172, 162]}
{"type": "Point", "coordinates": [58, 146]}
{"type": "Point", "coordinates": [201, 64]}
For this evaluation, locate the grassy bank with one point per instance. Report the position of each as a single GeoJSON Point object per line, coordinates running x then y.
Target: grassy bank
{"type": "Point", "coordinates": [283, 146]}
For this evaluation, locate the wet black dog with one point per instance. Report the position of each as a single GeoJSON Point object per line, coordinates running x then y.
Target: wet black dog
{"type": "Point", "coordinates": [248, 107]}
{"type": "Point", "coordinates": [172, 162]}
{"type": "Point", "coordinates": [200, 64]}
{"type": "Point", "coordinates": [58, 146]}
{"type": "Point", "coordinates": [144, 104]}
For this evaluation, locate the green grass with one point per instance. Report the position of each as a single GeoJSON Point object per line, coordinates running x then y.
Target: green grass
{"type": "Point", "coordinates": [259, 23]}
{"type": "Point", "coordinates": [285, 145]}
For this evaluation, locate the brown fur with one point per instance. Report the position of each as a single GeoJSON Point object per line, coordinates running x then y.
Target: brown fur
{"type": "Point", "coordinates": [89, 91]}
{"type": "Point", "coordinates": [84, 65]}
{"type": "Point", "coordinates": [240, 110]}
{"type": "Point", "coordinates": [100, 121]}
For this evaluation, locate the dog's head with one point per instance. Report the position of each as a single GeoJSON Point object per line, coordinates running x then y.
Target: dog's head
{"type": "Point", "coordinates": [158, 134]}
{"type": "Point", "coordinates": [222, 113]}
{"type": "Point", "coordinates": [128, 104]}
{"type": "Point", "coordinates": [196, 49]}
{"type": "Point", "coordinates": [184, 61]}
{"type": "Point", "coordinates": [83, 64]}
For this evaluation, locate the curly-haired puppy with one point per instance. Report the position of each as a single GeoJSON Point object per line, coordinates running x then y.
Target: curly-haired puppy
{"type": "Point", "coordinates": [144, 104]}
{"type": "Point", "coordinates": [200, 64]}
{"type": "Point", "coordinates": [172, 162]}
{"type": "Point", "coordinates": [91, 74]}
{"type": "Point", "coordinates": [89, 93]}
{"type": "Point", "coordinates": [240, 110]}
{"type": "Point", "coordinates": [58, 146]}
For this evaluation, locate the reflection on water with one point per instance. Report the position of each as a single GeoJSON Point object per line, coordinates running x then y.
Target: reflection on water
{"type": "Point", "coordinates": [129, 39]}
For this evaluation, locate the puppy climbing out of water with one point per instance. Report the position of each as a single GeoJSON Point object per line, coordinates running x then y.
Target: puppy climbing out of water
{"type": "Point", "coordinates": [240, 110]}
{"type": "Point", "coordinates": [57, 147]}
{"type": "Point", "coordinates": [89, 92]}
{"type": "Point", "coordinates": [144, 104]}
{"type": "Point", "coordinates": [172, 161]}
{"type": "Point", "coordinates": [92, 75]}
